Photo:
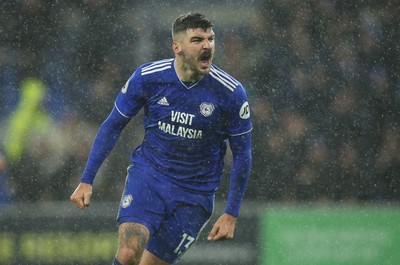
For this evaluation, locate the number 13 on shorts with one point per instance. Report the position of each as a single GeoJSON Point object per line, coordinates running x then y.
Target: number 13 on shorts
{"type": "Point", "coordinates": [184, 245]}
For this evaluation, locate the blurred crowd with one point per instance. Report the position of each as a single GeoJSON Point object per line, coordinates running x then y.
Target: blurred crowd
{"type": "Point", "coordinates": [323, 79]}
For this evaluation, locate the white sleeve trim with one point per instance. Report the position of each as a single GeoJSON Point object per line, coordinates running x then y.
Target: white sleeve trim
{"type": "Point", "coordinates": [241, 133]}
{"type": "Point", "coordinates": [115, 104]}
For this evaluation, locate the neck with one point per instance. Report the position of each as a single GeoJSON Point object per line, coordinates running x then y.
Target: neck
{"type": "Point", "coordinates": [184, 72]}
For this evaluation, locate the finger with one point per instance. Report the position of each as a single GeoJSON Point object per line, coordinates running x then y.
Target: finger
{"type": "Point", "coordinates": [78, 201]}
{"type": "Point", "coordinates": [86, 199]}
{"type": "Point", "coordinates": [220, 235]}
{"type": "Point", "coordinates": [213, 233]}
{"type": "Point", "coordinates": [80, 204]}
{"type": "Point", "coordinates": [223, 233]}
{"type": "Point", "coordinates": [217, 237]}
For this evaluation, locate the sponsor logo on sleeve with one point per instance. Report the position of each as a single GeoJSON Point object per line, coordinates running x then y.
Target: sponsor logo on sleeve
{"type": "Point", "coordinates": [244, 112]}
{"type": "Point", "coordinates": [125, 87]}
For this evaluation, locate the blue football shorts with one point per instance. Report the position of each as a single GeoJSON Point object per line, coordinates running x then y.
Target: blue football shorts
{"type": "Point", "coordinates": [174, 216]}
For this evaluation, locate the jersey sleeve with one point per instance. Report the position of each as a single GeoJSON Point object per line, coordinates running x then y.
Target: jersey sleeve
{"type": "Point", "coordinates": [240, 172]}
{"type": "Point", "coordinates": [131, 97]}
{"type": "Point", "coordinates": [239, 121]}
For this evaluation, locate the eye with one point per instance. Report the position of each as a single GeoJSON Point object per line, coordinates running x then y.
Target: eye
{"type": "Point", "coordinates": [197, 40]}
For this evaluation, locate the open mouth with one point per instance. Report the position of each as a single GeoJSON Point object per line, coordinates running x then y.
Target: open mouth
{"type": "Point", "coordinates": [205, 58]}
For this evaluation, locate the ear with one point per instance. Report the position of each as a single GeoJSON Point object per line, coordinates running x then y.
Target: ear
{"type": "Point", "coordinates": [176, 47]}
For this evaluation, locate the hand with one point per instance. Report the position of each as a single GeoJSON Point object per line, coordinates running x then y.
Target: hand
{"type": "Point", "coordinates": [223, 228]}
{"type": "Point", "coordinates": [81, 196]}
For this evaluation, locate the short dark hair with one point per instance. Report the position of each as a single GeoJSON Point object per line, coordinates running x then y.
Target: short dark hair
{"type": "Point", "coordinates": [191, 20]}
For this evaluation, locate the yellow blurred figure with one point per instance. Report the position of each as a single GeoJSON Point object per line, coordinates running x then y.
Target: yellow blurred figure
{"type": "Point", "coordinates": [27, 120]}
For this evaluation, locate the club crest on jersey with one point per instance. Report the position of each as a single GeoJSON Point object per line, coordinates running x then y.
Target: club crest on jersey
{"type": "Point", "coordinates": [206, 109]}
{"type": "Point", "coordinates": [126, 201]}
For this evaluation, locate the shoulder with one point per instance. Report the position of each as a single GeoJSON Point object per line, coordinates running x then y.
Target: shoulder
{"type": "Point", "coordinates": [233, 92]}
{"type": "Point", "coordinates": [224, 80]}
{"type": "Point", "coordinates": [156, 67]}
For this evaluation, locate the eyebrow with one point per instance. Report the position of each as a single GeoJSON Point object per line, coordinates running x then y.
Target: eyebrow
{"type": "Point", "coordinates": [201, 37]}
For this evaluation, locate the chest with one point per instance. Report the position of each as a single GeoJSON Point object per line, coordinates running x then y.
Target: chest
{"type": "Point", "coordinates": [196, 108]}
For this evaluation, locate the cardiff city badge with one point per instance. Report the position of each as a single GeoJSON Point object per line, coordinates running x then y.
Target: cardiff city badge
{"type": "Point", "coordinates": [126, 201]}
{"type": "Point", "coordinates": [206, 109]}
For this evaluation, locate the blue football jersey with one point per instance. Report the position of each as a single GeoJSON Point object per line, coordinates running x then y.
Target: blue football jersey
{"type": "Point", "coordinates": [186, 125]}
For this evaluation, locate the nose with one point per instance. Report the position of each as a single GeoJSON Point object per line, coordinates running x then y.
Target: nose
{"type": "Point", "coordinates": [207, 44]}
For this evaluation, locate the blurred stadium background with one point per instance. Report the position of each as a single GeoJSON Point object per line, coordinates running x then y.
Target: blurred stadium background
{"type": "Point", "coordinates": [323, 78]}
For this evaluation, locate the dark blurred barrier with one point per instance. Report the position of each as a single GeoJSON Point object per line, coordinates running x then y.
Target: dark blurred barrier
{"type": "Point", "coordinates": [265, 234]}
{"type": "Point", "coordinates": [58, 233]}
